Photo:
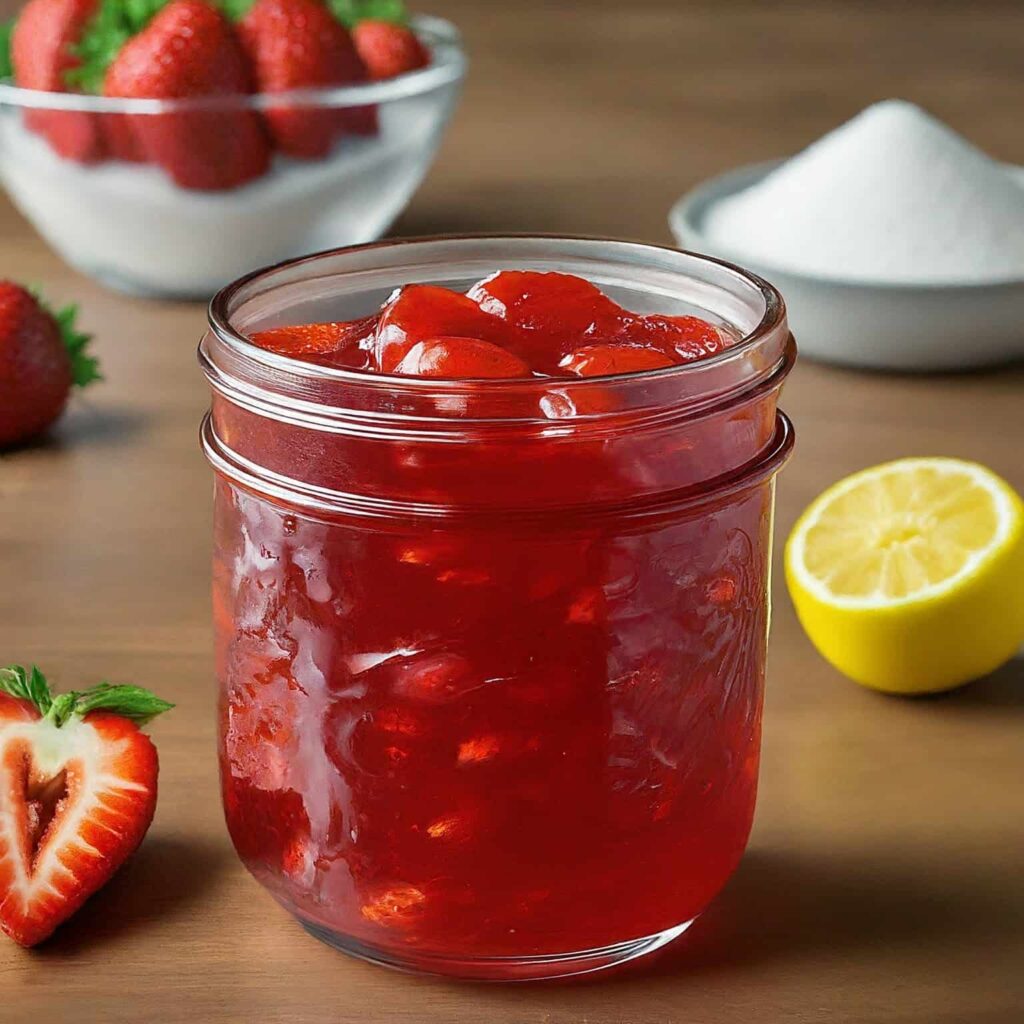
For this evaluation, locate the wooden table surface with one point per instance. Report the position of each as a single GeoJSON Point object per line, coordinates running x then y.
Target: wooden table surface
{"type": "Point", "coordinates": [884, 879]}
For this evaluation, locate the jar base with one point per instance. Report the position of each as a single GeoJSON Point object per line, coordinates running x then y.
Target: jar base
{"type": "Point", "coordinates": [500, 968]}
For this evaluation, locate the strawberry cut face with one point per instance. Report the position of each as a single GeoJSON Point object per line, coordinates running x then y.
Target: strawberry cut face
{"type": "Point", "coordinates": [75, 802]}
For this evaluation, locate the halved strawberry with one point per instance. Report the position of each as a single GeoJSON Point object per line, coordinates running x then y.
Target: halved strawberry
{"type": "Point", "coordinates": [77, 794]}
{"type": "Point", "coordinates": [42, 54]}
{"type": "Point", "coordinates": [299, 44]}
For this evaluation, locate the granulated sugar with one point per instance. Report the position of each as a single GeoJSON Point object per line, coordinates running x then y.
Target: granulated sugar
{"type": "Point", "coordinates": [893, 195]}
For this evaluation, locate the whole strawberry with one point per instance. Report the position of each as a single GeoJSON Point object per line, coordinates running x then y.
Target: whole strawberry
{"type": "Point", "coordinates": [389, 49]}
{"type": "Point", "coordinates": [43, 56]}
{"type": "Point", "coordinates": [41, 356]}
{"type": "Point", "coordinates": [299, 44]}
{"type": "Point", "coordinates": [77, 795]}
{"type": "Point", "coordinates": [188, 50]}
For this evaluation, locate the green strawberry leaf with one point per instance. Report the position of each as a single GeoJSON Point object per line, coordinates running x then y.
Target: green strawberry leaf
{"type": "Point", "coordinates": [235, 10]}
{"type": "Point", "coordinates": [127, 701]}
{"type": "Point", "coordinates": [351, 12]}
{"type": "Point", "coordinates": [84, 367]}
{"type": "Point", "coordinates": [113, 24]}
{"type": "Point", "coordinates": [348, 12]}
{"type": "Point", "coordinates": [6, 67]}
{"type": "Point", "coordinates": [26, 684]}
{"type": "Point", "coordinates": [14, 681]}
{"type": "Point", "coordinates": [132, 702]}
{"type": "Point", "coordinates": [39, 690]}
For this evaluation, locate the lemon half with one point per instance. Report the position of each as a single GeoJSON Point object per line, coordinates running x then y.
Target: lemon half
{"type": "Point", "coordinates": [909, 576]}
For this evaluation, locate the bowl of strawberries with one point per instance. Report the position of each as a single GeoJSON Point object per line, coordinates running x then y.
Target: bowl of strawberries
{"type": "Point", "coordinates": [164, 147]}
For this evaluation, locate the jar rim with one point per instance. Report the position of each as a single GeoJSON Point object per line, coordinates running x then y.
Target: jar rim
{"type": "Point", "coordinates": [315, 500]}
{"type": "Point", "coordinates": [343, 283]}
{"type": "Point", "coordinates": [220, 315]}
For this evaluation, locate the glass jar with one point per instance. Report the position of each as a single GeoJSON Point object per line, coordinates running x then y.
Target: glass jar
{"type": "Point", "coordinates": [491, 654]}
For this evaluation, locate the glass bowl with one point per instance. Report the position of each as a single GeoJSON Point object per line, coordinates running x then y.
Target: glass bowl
{"type": "Point", "coordinates": [178, 231]}
{"type": "Point", "coordinates": [491, 654]}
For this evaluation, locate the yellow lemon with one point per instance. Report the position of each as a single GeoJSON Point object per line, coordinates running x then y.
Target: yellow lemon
{"type": "Point", "coordinates": [909, 576]}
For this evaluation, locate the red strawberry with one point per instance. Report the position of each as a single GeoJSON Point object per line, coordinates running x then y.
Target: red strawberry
{"type": "Point", "coordinates": [188, 50]}
{"type": "Point", "coordinates": [42, 54]}
{"type": "Point", "coordinates": [298, 44]}
{"type": "Point", "coordinates": [388, 50]}
{"type": "Point", "coordinates": [77, 794]}
{"type": "Point", "coordinates": [41, 357]}
{"type": "Point", "coordinates": [119, 135]}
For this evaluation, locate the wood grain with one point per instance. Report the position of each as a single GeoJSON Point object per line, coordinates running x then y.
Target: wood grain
{"type": "Point", "coordinates": [884, 879]}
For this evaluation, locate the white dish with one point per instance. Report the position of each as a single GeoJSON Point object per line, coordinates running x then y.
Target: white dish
{"type": "Point", "coordinates": [872, 324]}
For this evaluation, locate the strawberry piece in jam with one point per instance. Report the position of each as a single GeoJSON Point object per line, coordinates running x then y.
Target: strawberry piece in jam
{"type": "Point", "coordinates": [689, 336]}
{"type": "Point", "coordinates": [555, 312]}
{"type": "Point", "coordinates": [335, 343]}
{"type": "Point", "coordinates": [461, 358]}
{"type": "Point", "coordinates": [422, 312]}
{"type": "Point", "coordinates": [602, 360]}
{"type": "Point", "coordinates": [517, 323]}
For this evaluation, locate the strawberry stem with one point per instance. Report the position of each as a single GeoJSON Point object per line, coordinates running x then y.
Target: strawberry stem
{"type": "Point", "coordinates": [61, 709]}
{"type": "Point", "coordinates": [84, 367]}
{"type": "Point", "coordinates": [131, 702]}
{"type": "Point", "coordinates": [113, 24]}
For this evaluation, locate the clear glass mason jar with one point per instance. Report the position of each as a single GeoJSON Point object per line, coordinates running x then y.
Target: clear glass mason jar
{"type": "Point", "coordinates": [491, 654]}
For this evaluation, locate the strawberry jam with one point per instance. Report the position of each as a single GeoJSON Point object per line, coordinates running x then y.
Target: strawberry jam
{"type": "Point", "coordinates": [490, 630]}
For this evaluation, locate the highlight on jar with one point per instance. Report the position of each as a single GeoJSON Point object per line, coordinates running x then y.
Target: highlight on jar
{"type": "Point", "coordinates": [493, 525]}
{"type": "Point", "coordinates": [166, 148]}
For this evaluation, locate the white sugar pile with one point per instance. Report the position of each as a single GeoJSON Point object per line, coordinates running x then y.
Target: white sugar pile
{"type": "Point", "coordinates": [893, 195]}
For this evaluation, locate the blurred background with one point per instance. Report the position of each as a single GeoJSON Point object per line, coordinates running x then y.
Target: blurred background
{"type": "Point", "coordinates": [594, 116]}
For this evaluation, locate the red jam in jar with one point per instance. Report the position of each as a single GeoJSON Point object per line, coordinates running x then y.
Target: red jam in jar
{"type": "Point", "coordinates": [491, 575]}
